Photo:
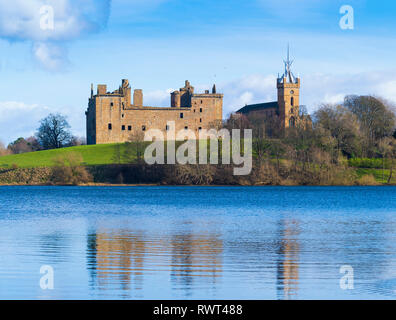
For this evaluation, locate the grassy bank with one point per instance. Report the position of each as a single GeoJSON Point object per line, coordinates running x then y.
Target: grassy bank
{"type": "Point", "coordinates": [106, 164]}
{"type": "Point", "coordinates": [92, 155]}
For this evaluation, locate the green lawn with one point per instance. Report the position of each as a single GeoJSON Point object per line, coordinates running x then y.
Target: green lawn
{"type": "Point", "coordinates": [92, 155]}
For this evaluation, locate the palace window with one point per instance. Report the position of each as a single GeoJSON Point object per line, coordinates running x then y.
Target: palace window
{"type": "Point", "coordinates": [129, 128]}
{"type": "Point", "coordinates": [200, 120]}
{"type": "Point", "coordinates": [185, 128]}
{"type": "Point", "coordinates": [111, 104]}
{"type": "Point", "coordinates": [292, 122]}
{"type": "Point", "coordinates": [181, 116]}
{"type": "Point", "coordinates": [167, 128]}
{"type": "Point", "coordinates": [200, 128]}
{"type": "Point", "coordinates": [200, 109]}
{"type": "Point", "coordinates": [292, 101]}
{"type": "Point", "coordinates": [123, 128]}
{"type": "Point", "coordinates": [109, 126]}
{"type": "Point", "coordinates": [143, 128]}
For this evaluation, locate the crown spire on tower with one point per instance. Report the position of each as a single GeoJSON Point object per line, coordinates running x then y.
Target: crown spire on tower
{"type": "Point", "coordinates": [288, 73]}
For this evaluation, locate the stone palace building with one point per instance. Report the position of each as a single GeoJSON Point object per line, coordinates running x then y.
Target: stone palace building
{"type": "Point", "coordinates": [113, 117]}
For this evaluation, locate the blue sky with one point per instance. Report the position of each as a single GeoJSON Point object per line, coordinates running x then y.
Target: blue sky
{"type": "Point", "coordinates": [157, 44]}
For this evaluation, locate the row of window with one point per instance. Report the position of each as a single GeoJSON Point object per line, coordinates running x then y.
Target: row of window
{"type": "Point", "coordinates": [123, 127]}
{"type": "Point", "coordinates": [110, 126]}
{"type": "Point", "coordinates": [182, 114]}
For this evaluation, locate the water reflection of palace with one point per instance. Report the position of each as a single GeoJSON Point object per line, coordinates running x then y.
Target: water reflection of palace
{"type": "Point", "coordinates": [195, 256]}
{"type": "Point", "coordinates": [288, 260]}
{"type": "Point", "coordinates": [118, 260]}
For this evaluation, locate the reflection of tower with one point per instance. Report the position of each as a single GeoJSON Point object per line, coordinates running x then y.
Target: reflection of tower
{"type": "Point", "coordinates": [114, 257]}
{"type": "Point", "coordinates": [287, 265]}
{"type": "Point", "coordinates": [195, 257]}
{"type": "Point", "coordinates": [288, 95]}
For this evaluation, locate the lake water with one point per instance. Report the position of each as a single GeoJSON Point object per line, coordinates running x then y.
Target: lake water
{"type": "Point", "coordinates": [198, 242]}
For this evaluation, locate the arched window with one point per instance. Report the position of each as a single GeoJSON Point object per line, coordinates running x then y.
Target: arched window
{"type": "Point", "coordinates": [292, 122]}
{"type": "Point", "coordinates": [292, 101]}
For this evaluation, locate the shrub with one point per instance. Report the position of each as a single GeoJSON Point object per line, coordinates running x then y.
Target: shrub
{"type": "Point", "coordinates": [367, 180]}
{"type": "Point", "coordinates": [69, 171]}
{"type": "Point", "coordinates": [192, 174]}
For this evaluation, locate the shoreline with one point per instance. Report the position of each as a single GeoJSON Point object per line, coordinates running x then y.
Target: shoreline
{"type": "Point", "coordinates": [185, 185]}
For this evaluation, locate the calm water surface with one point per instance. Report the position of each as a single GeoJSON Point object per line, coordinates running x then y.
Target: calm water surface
{"type": "Point", "coordinates": [198, 242]}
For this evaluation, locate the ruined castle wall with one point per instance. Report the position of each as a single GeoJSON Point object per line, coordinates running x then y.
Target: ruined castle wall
{"type": "Point", "coordinates": [111, 121]}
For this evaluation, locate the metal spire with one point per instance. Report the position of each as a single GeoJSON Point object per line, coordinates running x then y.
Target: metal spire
{"type": "Point", "coordinates": [288, 50]}
{"type": "Point", "coordinates": [288, 74]}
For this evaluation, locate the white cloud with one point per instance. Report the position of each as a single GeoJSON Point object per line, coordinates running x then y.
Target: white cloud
{"type": "Point", "coordinates": [18, 119]}
{"type": "Point", "coordinates": [50, 56]}
{"type": "Point", "coordinates": [387, 89]}
{"type": "Point", "coordinates": [31, 21]}
{"type": "Point", "coordinates": [22, 20]}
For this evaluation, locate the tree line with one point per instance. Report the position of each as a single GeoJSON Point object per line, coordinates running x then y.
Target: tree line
{"type": "Point", "coordinates": [53, 133]}
{"type": "Point", "coordinates": [360, 127]}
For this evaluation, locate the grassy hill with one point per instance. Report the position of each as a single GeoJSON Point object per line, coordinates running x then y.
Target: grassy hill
{"type": "Point", "coordinates": [101, 154]}
{"type": "Point", "coordinates": [92, 155]}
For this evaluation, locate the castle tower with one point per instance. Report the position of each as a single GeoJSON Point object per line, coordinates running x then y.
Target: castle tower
{"type": "Point", "coordinates": [288, 95]}
{"type": "Point", "coordinates": [186, 94]}
{"type": "Point", "coordinates": [125, 90]}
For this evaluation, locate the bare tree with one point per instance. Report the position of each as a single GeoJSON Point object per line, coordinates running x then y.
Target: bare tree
{"type": "Point", "coordinates": [375, 116]}
{"type": "Point", "coordinates": [77, 141]}
{"type": "Point", "coordinates": [134, 148]}
{"type": "Point", "coordinates": [54, 132]}
{"type": "Point", "coordinates": [387, 150]}
{"type": "Point", "coordinates": [22, 145]}
{"type": "Point", "coordinates": [341, 124]}
{"type": "Point", "coordinates": [3, 150]}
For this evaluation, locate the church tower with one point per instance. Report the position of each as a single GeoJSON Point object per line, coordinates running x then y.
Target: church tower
{"type": "Point", "coordinates": [288, 95]}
